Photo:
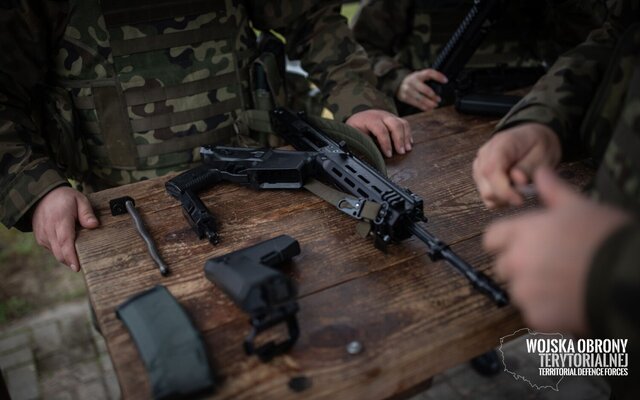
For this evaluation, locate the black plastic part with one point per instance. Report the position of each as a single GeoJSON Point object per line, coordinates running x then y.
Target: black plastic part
{"type": "Point", "coordinates": [492, 105]}
{"type": "Point", "coordinates": [267, 295]}
{"type": "Point", "coordinates": [259, 168]}
{"type": "Point", "coordinates": [266, 352]}
{"type": "Point", "coordinates": [300, 383]}
{"type": "Point", "coordinates": [487, 364]}
{"type": "Point", "coordinates": [4, 392]}
{"type": "Point", "coordinates": [439, 250]}
{"type": "Point", "coordinates": [171, 348]}
{"type": "Point", "coordinates": [199, 217]}
{"type": "Point", "coordinates": [185, 188]}
{"type": "Point", "coordinates": [256, 168]}
{"type": "Point", "coordinates": [498, 79]}
{"type": "Point", "coordinates": [118, 206]}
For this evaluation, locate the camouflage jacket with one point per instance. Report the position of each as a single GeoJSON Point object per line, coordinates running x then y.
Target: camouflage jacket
{"type": "Point", "coordinates": [591, 99]}
{"type": "Point", "coordinates": [402, 36]}
{"type": "Point", "coordinates": [67, 65]}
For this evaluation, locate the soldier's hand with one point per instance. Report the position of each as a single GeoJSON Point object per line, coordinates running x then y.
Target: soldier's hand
{"type": "Point", "coordinates": [54, 223]}
{"type": "Point", "coordinates": [545, 255]}
{"type": "Point", "coordinates": [414, 91]}
{"type": "Point", "coordinates": [510, 158]}
{"type": "Point", "coordinates": [390, 131]}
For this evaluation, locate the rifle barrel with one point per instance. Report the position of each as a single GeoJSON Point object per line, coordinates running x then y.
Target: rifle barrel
{"type": "Point", "coordinates": [481, 282]}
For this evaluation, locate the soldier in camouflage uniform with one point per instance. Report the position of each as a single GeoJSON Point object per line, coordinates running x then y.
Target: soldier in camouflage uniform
{"type": "Point", "coordinates": [574, 266]}
{"type": "Point", "coordinates": [403, 37]}
{"type": "Point", "coordinates": [115, 91]}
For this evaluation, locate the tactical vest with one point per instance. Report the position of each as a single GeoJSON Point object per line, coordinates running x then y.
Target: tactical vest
{"type": "Point", "coordinates": [145, 83]}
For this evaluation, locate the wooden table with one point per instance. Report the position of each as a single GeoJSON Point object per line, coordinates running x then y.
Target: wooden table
{"type": "Point", "coordinates": [415, 318]}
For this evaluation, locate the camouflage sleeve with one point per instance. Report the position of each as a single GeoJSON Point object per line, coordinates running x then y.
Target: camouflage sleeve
{"type": "Point", "coordinates": [319, 36]}
{"type": "Point", "coordinates": [613, 292]}
{"type": "Point", "coordinates": [378, 26]}
{"type": "Point", "coordinates": [561, 98]}
{"type": "Point", "coordinates": [26, 172]}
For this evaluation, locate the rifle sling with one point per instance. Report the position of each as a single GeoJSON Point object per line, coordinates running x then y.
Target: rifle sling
{"type": "Point", "coordinates": [114, 124]}
{"type": "Point", "coordinates": [364, 210]}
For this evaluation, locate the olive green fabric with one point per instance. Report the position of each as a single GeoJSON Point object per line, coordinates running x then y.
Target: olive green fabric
{"type": "Point", "coordinates": [365, 210]}
{"type": "Point", "coordinates": [171, 348]}
{"type": "Point", "coordinates": [355, 141]}
{"type": "Point", "coordinates": [259, 120]}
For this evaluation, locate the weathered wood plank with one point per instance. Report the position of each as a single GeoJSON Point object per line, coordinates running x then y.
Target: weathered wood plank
{"type": "Point", "coordinates": [415, 317]}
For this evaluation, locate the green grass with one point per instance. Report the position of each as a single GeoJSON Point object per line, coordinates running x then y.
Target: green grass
{"type": "Point", "coordinates": [32, 279]}
{"type": "Point", "coordinates": [15, 244]}
{"type": "Point", "coordinates": [75, 293]}
{"type": "Point", "coordinates": [14, 308]}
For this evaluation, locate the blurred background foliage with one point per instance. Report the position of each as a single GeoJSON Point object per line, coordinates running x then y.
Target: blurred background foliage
{"type": "Point", "coordinates": [31, 278]}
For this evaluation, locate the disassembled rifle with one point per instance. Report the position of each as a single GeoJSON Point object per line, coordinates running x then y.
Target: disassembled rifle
{"type": "Point", "coordinates": [392, 213]}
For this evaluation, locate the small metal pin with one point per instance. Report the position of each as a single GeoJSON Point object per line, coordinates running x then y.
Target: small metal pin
{"type": "Point", "coordinates": [527, 191]}
{"type": "Point", "coordinates": [354, 347]}
{"type": "Point", "coordinates": [142, 230]}
{"type": "Point", "coordinates": [126, 205]}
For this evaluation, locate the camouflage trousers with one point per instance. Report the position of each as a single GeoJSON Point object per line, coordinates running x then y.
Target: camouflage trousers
{"type": "Point", "coordinates": [618, 177]}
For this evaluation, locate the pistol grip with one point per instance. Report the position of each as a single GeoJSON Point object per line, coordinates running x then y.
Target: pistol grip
{"type": "Point", "coordinates": [184, 188]}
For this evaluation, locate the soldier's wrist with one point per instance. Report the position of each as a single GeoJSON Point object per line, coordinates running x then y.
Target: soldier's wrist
{"type": "Point", "coordinates": [24, 223]}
